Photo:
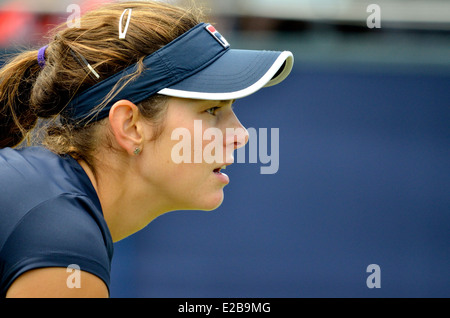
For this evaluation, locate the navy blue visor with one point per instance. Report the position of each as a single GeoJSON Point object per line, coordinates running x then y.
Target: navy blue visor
{"type": "Point", "coordinates": [197, 65]}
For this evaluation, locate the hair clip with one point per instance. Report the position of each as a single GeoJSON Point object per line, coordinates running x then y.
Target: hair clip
{"type": "Point", "coordinates": [85, 62]}
{"type": "Point", "coordinates": [123, 33]}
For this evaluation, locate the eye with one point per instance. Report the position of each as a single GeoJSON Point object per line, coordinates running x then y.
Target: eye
{"type": "Point", "coordinates": [212, 110]}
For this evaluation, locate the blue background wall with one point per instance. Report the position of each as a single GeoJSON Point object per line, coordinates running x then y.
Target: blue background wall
{"type": "Point", "coordinates": [364, 179]}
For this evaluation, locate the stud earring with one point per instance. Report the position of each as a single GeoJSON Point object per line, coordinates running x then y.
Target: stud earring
{"type": "Point", "coordinates": [137, 151]}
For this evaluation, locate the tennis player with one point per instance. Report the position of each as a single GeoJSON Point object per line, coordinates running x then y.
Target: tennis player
{"type": "Point", "coordinates": [112, 91]}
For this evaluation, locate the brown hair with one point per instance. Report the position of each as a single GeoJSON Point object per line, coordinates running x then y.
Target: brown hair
{"type": "Point", "coordinates": [28, 92]}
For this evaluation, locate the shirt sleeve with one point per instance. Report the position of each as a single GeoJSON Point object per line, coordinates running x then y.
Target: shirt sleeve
{"type": "Point", "coordinates": [66, 230]}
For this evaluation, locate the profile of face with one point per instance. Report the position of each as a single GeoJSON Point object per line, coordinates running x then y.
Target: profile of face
{"type": "Point", "coordinates": [196, 183]}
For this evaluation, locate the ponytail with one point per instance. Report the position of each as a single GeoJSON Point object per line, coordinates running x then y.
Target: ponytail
{"type": "Point", "coordinates": [17, 114]}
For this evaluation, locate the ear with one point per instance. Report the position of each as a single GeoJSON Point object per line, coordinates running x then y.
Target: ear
{"type": "Point", "coordinates": [124, 118]}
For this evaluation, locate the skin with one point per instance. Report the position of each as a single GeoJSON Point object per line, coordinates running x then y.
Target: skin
{"type": "Point", "coordinates": [136, 189]}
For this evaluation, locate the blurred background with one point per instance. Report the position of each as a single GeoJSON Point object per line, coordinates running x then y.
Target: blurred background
{"type": "Point", "coordinates": [364, 172]}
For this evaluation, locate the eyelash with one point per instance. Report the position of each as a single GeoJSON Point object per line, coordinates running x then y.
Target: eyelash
{"type": "Point", "coordinates": [212, 110]}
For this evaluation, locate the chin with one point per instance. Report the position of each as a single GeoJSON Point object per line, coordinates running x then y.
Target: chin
{"type": "Point", "coordinates": [211, 203]}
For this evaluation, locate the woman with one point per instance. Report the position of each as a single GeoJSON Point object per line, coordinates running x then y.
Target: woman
{"type": "Point", "coordinates": [116, 89]}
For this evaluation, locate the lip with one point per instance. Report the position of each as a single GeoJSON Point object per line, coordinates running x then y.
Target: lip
{"type": "Point", "coordinates": [220, 175]}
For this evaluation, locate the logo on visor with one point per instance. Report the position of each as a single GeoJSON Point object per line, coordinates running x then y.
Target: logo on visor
{"type": "Point", "coordinates": [217, 36]}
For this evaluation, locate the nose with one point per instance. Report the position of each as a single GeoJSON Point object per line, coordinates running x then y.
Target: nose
{"type": "Point", "coordinates": [241, 137]}
{"type": "Point", "coordinates": [236, 137]}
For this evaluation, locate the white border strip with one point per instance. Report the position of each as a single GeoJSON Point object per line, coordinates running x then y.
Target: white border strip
{"type": "Point", "coordinates": [265, 81]}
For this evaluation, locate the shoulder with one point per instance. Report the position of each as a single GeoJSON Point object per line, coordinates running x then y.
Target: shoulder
{"type": "Point", "coordinates": [37, 183]}
{"type": "Point", "coordinates": [69, 219]}
{"type": "Point", "coordinates": [30, 175]}
{"type": "Point", "coordinates": [35, 162]}
{"type": "Point", "coordinates": [62, 231]}
{"type": "Point", "coordinates": [50, 218]}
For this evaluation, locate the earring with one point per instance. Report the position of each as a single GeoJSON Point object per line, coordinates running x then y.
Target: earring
{"type": "Point", "coordinates": [137, 151]}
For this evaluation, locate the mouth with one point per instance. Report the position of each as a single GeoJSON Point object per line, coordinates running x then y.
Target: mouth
{"type": "Point", "coordinates": [218, 170]}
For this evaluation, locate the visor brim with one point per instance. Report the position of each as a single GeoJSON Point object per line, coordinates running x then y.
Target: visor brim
{"type": "Point", "coordinates": [235, 75]}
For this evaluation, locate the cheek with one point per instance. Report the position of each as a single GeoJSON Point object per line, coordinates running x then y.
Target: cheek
{"type": "Point", "coordinates": [192, 187]}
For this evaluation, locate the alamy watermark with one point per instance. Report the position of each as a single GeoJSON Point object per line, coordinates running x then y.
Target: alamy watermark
{"type": "Point", "coordinates": [74, 279]}
{"type": "Point", "coordinates": [374, 279]}
{"type": "Point", "coordinates": [213, 152]}
{"type": "Point", "coordinates": [208, 146]}
{"type": "Point", "coordinates": [74, 19]}
{"type": "Point", "coordinates": [374, 19]}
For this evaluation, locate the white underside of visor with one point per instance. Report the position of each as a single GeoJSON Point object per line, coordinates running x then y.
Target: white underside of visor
{"type": "Point", "coordinates": [266, 81]}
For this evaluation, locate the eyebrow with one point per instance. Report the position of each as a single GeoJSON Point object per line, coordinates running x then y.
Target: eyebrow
{"type": "Point", "coordinates": [220, 102]}
{"type": "Point", "coordinates": [227, 101]}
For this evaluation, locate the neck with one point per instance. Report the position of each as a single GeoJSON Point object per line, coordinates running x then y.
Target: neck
{"type": "Point", "coordinates": [126, 208]}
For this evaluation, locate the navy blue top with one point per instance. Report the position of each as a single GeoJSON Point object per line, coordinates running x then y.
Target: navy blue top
{"type": "Point", "coordinates": [50, 216]}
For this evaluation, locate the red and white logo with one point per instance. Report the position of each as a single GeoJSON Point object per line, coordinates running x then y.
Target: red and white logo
{"type": "Point", "coordinates": [212, 30]}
